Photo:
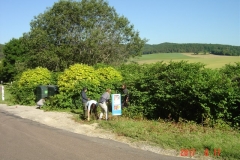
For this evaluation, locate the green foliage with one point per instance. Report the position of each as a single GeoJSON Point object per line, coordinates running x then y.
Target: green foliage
{"type": "Point", "coordinates": [181, 90]}
{"type": "Point", "coordinates": [23, 89]}
{"type": "Point", "coordinates": [7, 95]}
{"type": "Point", "coordinates": [71, 83]}
{"type": "Point", "coordinates": [14, 58]}
{"type": "Point", "coordinates": [233, 73]}
{"type": "Point", "coordinates": [35, 77]}
{"type": "Point", "coordinates": [134, 112]}
{"type": "Point", "coordinates": [1, 51]}
{"type": "Point", "coordinates": [90, 32]}
{"type": "Point", "coordinates": [133, 76]}
{"type": "Point", "coordinates": [76, 77]}
{"type": "Point", "coordinates": [195, 48]}
{"type": "Point", "coordinates": [177, 136]}
{"type": "Point", "coordinates": [109, 78]}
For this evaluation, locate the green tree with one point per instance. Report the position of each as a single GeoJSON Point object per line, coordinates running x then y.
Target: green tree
{"type": "Point", "coordinates": [1, 51]}
{"type": "Point", "coordinates": [87, 31]}
{"type": "Point", "coordinates": [13, 62]}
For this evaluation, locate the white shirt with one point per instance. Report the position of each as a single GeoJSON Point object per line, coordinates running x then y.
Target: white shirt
{"type": "Point", "coordinates": [40, 102]}
{"type": "Point", "coordinates": [89, 103]}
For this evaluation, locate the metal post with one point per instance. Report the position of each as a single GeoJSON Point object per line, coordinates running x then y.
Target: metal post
{"type": "Point", "coordinates": [2, 92]}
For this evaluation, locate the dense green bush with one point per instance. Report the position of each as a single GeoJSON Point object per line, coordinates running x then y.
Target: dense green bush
{"type": "Point", "coordinates": [232, 71]}
{"type": "Point", "coordinates": [189, 91]}
{"type": "Point", "coordinates": [133, 76]}
{"type": "Point", "coordinates": [182, 90]}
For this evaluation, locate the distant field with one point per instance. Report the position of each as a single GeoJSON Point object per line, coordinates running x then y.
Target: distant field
{"type": "Point", "coordinates": [211, 61]}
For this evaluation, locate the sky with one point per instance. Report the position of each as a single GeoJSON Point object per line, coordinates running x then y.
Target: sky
{"type": "Point", "coordinates": [158, 21]}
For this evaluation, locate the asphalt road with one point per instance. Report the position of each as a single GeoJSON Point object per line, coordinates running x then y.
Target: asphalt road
{"type": "Point", "coordinates": [23, 139]}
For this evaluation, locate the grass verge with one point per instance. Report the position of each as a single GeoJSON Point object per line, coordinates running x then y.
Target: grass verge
{"type": "Point", "coordinates": [185, 135]}
{"type": "Point", "coordinates": [7, 96]}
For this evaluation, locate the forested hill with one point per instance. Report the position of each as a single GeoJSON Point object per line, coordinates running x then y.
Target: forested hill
{"type": "Point", "coordinates": [196, 48]}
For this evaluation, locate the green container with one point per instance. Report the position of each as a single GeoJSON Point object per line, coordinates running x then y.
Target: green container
{"type": "Point", "coordinates": [41, 92]}
{"type": "Point", "coordinates": [52, 90]}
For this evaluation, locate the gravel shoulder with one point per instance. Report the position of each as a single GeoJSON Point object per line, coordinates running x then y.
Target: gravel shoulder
{"type": "Point", "coordinates": [63, 120]}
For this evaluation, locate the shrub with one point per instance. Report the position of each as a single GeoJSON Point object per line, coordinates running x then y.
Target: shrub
{"type": "Point", "coordinates": [71, 83]}
{"type": "Point", "coordinates": [23, 89]}
{"type": "Point", "coordinates": [109, 78]}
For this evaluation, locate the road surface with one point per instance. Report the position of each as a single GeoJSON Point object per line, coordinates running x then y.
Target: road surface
{"type": "Point", "coordinates": [23, 139]}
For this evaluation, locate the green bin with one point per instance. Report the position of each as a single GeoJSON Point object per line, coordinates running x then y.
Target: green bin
{"type": "Point", "coordinates": [41, 92]}
{"type": "Point", "coordinates": [52, 90]}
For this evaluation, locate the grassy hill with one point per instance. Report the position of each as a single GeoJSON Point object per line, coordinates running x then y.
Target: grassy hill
{"type": "Point", "coordinates": [211, 61]}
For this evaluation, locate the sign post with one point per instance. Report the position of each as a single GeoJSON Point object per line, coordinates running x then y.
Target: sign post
{"type": "Point", "coordinates": [2, 92]}
{"type": "Point", "coordinates": [116, 104]}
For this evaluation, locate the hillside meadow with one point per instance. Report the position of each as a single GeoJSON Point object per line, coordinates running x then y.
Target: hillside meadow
{"type": "Point", "coordinates": [211, 61]}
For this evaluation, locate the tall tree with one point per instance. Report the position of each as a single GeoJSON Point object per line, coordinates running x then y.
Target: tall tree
{"type": "Point", "coordinates": [87, 31]}
{"type": "Point", "coordinates": [14, 58]}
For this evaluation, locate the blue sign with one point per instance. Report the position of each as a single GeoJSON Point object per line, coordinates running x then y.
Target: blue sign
{"type": "Point", "coordinates": [116, 104]}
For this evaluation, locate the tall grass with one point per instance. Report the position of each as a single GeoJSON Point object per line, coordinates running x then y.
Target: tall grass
{"type": "Point", "coordinates": [7, 96]}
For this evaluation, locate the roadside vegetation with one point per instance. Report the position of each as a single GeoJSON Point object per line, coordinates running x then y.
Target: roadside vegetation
{"type": "Point", "coordinates": [178, 105]}
{"type": "Point", "coordinates": [182, 98]}
{"type": "Point", "coordinates": [178, 136]}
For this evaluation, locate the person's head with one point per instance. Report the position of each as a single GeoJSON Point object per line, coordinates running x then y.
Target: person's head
{"type": "Point", "coordinates": [124, 86]}
{"type": "Point", "coordinates": [85, 89]}
{"type": "Point", "coordinates": [93, 106]}
{"type": "Point", "coordinates": [108, 90]}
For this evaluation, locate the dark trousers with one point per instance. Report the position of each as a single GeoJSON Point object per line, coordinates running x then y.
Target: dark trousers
{"type": "Point", "coordinates": [93, 111]}
{"type": "Point", "coordinates": [84, 107]}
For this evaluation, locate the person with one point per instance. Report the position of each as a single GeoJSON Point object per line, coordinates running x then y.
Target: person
{"type": "Point", "coordinates": [92, 108]}
{"type": "Point", "coordinates": [103, 103]}
{"type": "Point", "coordinates": [84, 101]}
{"type": "Point", "coordinates": [125, 96]}
{"type": "Point", "coordinates": [40, 103]}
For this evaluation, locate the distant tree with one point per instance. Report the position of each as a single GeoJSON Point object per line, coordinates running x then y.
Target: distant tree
{"type": "Point", "coordinates": [87, 31]}
{"type": "Point", "coordinates": [14, 58]}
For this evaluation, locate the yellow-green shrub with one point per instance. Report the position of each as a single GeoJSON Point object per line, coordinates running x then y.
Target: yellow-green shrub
{"type": "Point", "coordinates": [71, 83]}
{"type": "Point", "coordinates": [23, 89]}
{"type": "Point", "coordinates": [75, 75]}
{"type": "Point", "coordinates": [35, 77]}
{"type": "Point", "coordinates": [109, 78]}
{"type": "Point", "coordinates": [108, 74]}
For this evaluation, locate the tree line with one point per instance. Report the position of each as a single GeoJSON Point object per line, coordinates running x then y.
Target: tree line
{"type": "Point", "coordinates": [196, 48]}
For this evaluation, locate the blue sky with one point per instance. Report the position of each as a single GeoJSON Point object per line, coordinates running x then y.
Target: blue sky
{"type": "Point", "coordinates": [177, 21]}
